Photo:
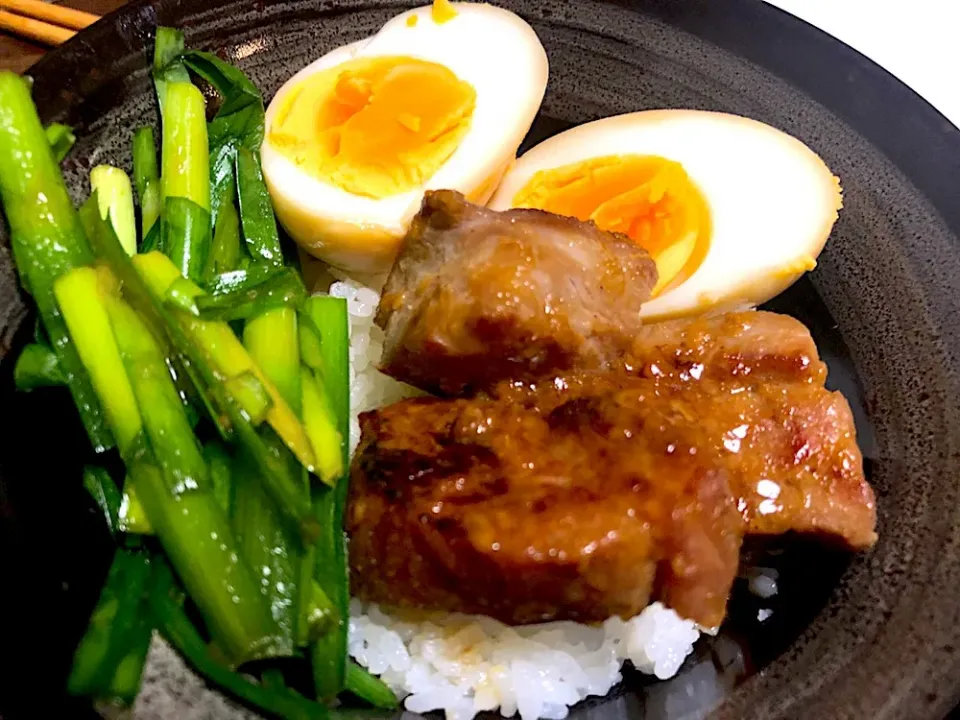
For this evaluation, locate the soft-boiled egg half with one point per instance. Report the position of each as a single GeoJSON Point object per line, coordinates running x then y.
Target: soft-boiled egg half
{"type": "Point", "coordinates": [731, 210]}
{"type": "Point", "coordinates": [440, 97]}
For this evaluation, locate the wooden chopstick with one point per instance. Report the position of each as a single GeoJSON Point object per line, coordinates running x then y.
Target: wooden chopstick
{"type": "Point", "coordinates": [35, 29]}
{"type": "Point", "coordinates": [28, 16]}
{"type": "Point", "coordinates": [56, 14]}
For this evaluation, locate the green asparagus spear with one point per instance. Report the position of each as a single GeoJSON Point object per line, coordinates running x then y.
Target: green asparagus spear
{"type": "Point", "coordinates": [329, 653]}
{"type": "Point", "coordinates": [37, 366]}
{"type": "Point", "coordinates": [170, 433]}
{"type": "Point", "coordinates": [146, 178]}
{"type": "Point", "coordinates": [170, 478]}
{"type": "Point", "coordinates": [218, 461]}
{"type": "Point", "coordinates": [256, 211]}
{"type": "Point", "coordinates": [167, 66]}
{"type": "Point", "coordinates": [269, 550]}
{"type": "Point", "coordinates": [82, 298]}
{"type": "Point", "coordinates": [369, 688]}
{"type": "Point", "coordinates": [112, 626]}
{"type": "Point", "coordinates": [115, 197]}
{"type": "Point", "coordinates": [185, 182]}
{"type": "Point", "coordinates": [321, 424]}
{"type": "Point", "coordinates": [132, 517]}
{"type": "Point", "coordinates": [188, 364]}
{"type": "Point", "coordinates": [283, 289]}
{"type": "Point", "coordinates": [185, 235]}
{"type": "Point", "coordinates": [271, 339]}
{"type": "Point", "coordinates": [235, 137]}
{"type": "Point", "coordinates": [61, 139]}
{"type": "Point", "coordinates": [102, 489]}
{"type": "Point", "coordinates": [185, 154]}
{"type": "Point", "coordinates": [211, 351]}
{"type": "Point", "coordinates": [224, 254]}
{"type": "Point", "coordinates": [227, 356]}
{"type": "Point", "coordinates": [177, 628]}
{"type": "Point", "coordinates": [196, 535]}
{"type": "Point", "coordinates": [46, 235]}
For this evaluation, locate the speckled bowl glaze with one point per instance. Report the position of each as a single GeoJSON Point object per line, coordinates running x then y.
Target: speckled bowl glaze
{"type": "Point", "coordinates": [872, 636]}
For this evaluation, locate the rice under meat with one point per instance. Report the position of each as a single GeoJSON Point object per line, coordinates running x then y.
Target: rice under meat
{"type": "Point", "coordinates": [466, 664]}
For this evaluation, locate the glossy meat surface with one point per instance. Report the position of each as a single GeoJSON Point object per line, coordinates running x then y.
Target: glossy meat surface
{"type": "Point", "coordinates": [477, 296]}
{"type": "Point", "coordinates": [788, 448]}
{"type": "Point", "coordinates": [487, 507]}
{"type": "Point", "coordinates": [749, 347]}
{"type": "Point", "coordinates": [592, 495]}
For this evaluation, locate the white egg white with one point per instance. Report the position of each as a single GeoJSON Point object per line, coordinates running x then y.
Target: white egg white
{"type": "Point", "coordinates": [491, 49]}
{"type": "Point", "coordinates": [772, 200]}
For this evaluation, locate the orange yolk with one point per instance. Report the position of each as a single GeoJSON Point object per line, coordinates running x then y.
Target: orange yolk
{"type": "Point", "coordinates": [442, 11]}
{"type": "Point", "coordinates": [650, 199]}
{"type": "Point", "coordinates": [374, 126]}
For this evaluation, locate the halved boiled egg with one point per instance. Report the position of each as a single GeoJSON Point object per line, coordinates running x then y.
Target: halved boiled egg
{"type": "Point", "coordinates": [732, 210]}
{"type": "Point", "coordinates": [440, 97]}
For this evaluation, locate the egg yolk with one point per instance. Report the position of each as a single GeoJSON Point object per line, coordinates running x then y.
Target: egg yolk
{"type": "Point", "coordinates": [442, 11]}
{"type": "Point", "coordinates": [374, 126]}
{"type": "Point", "coordinates": [650, 199]}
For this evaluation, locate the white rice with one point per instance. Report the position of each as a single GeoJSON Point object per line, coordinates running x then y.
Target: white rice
{"type": "Point", "coordinates": [369, 388]}
{"type": "Point", "coordinates": [466, 664]}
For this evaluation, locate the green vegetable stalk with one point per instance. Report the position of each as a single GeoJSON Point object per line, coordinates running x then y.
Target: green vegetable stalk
{"type": "Point", "coordinates": [61, 139]}
{"type": "Point", "coordinates": [284, 288]}
{"type": "Point", "coordinates": [146, 177]}
{"type": "Point", "coordinates": [185, 155]}
{"type": "Point", "coordinates": [185, 179]}
{"type": "Point", "coordinates": [179, 631]}
{"type": "Point", "coordinates": [83, 300]}
{"type": "Point", "coordinates": [115, 197]}
{"type": "Point", "coordinates": [168, 429]}
{"type": "Point", "coordinates": [328, 317]}
{"type": "Point", "coordinates": [170, 478]}
{"type": "Point", "coordinates": [221, 473]}
{"type": "Point", "coordinates": [369, 688]}
{"type": "Point", "coordinates": [37, 366]}
{"type": "Point", "coordinates": [321, 424]}
{"type": "Point", "coordinates": [236, 133]}
{"type": "Point", "coordinates": [113, 627]}
{"type": "Point", "coordinates": [132, 518]}
{"type": "Point", "coordinates": [224, 254]}
{"type": "Point", "coordinates": [185, 236]}
{"type": "Point", "coordinates": [46, 235]}
{"type": "Point", "coordinates": [271, 339]}
{"type": "Point", "coordinates": [269, 550]}
{"type": "Point", "coordinates": [104, 492]}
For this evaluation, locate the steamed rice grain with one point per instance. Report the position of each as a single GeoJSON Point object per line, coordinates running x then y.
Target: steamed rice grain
{"type": "Point", "coordinates": [466, 664]}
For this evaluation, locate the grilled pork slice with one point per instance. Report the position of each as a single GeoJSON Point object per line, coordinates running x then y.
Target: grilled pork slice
{"type": "Point", "coordinates": [591, 496]}
{"type": "Point", "coordinates": [476, 296]}
{"type": "Point", "coordinates": [788, 448]}
{"type": "Point", "coordinates": [486, 507]}
{"type": "Point", "coordinates": [752, 346]}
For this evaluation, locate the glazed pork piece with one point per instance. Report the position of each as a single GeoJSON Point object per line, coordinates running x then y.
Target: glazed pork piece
{"type": "Point", "coordinates": [476, 296]}
{"type": "Point", "coordinates": [482, 507]}
{"type": "Point", "coordinates": [788, 447]}
{"type": "Point", "coordinates": [594, 495]}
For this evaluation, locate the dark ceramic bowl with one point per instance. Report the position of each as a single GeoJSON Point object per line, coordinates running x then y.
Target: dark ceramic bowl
{"type": "Point", "coordinates": [871, 636]}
